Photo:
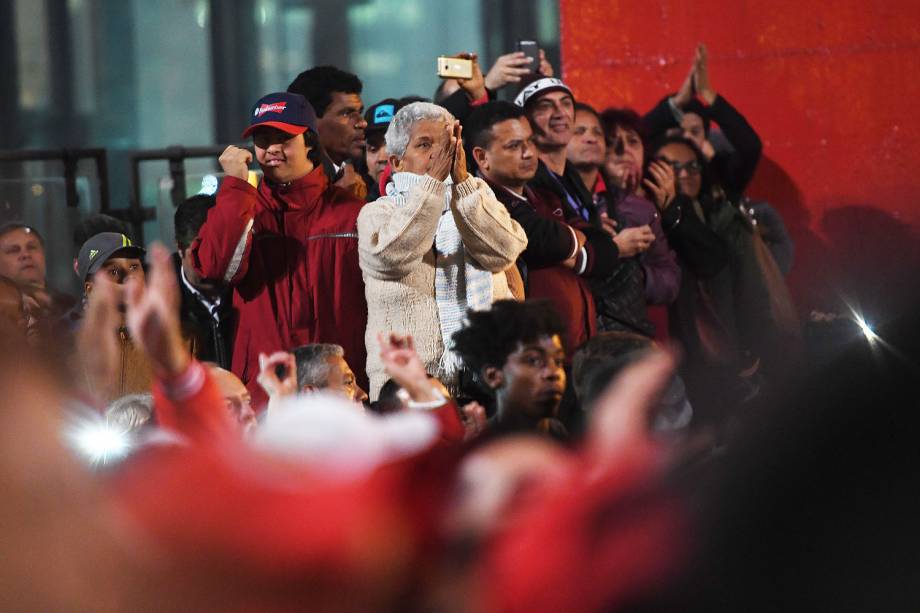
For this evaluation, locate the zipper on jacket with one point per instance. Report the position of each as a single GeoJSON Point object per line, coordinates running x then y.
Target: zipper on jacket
{"type": "Point", "coordinates": [123, 339]}
{"type": "Point", "coordinates": [334, 235]}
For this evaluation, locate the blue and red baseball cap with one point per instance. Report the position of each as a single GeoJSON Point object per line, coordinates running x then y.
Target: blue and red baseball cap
{"type": "Point", "coordinates": [285, 111]}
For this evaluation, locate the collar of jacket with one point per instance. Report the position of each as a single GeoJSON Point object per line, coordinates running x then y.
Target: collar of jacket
{"type": "Point", "coordinates": [544, 179]}
{"type": "Point", "coordinates": [506, 196]}
{"type": "Point", "coordinates": [302, 193]}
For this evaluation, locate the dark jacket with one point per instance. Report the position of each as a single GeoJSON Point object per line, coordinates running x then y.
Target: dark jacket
{"type": "Point", "coordinates": [551, 241]}
{"type": "Point", "coordinates": [619, 290]}
{"type": "Point", "coordinates": [460, 106]}
{"type": "Point", "coordinates": [733, 169]}
{"type": "Point", "coordinates": [290, 253]}
{"type": "Point", "coordinates": [210, 335]}
{"type": "Point", "coordinates": [659, 264]}
{"type": "Point", "coordinates": [569, 189]}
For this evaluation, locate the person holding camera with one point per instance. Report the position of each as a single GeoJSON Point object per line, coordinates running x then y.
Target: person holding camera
{"type": "Point", "coordinates": [436, 245]}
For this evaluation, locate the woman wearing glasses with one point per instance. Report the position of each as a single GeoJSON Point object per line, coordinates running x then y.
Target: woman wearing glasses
{"type": "Point", "coordinates": [724, 314]}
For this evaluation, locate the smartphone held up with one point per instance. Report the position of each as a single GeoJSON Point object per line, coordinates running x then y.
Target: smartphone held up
{"type": "Point", "coordinates": [455, 68]}
{"type": "Point", "coordinates": [531, 50]}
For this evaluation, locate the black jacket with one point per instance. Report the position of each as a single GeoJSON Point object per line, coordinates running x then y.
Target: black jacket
{"type": "Point", "coordinates": [699, 249]}
{"type": "Point", "coordinates": [733, 169]}
{"type": "Point", "coordinates": [619, 294]}
{"type": "Point", "coordinates": [570, 190]}
{"type": "Point", "coordinates": [211, 339]}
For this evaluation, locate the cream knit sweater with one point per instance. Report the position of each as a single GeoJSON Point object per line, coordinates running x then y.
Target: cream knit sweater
{"type": "Point", "coordinates": [395, 250]}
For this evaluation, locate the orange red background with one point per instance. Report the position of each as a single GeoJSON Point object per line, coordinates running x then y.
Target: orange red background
{"type": "Point", "coordinates": [831, 86]}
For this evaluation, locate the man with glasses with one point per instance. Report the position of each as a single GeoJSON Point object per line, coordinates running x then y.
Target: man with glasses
{"type": "Point", "coordinates": [289, 248]}
{"type": "Point", "coordinates": [335, 95]}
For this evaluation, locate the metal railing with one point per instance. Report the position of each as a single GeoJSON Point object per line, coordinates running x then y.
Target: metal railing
{"type": "Point", "coordinates": [138, 212]}
{"type": "Point", "coordinates": [69, 158]}
{"type": "Point", "coordinates": [175, 156]}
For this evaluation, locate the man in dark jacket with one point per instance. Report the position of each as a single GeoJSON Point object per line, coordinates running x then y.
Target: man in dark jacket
{"type": "Point", "coordinates": [289, 248]}
{"type": "Point", "coordinates": [206, 312]}
{"type": "Point", "coordinates": [559, 257]}
{"type": "Point", "coordinates": [619, 295]}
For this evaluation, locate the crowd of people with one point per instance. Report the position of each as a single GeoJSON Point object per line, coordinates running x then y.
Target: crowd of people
{"type": "Point", "coordinates": [468, 354]}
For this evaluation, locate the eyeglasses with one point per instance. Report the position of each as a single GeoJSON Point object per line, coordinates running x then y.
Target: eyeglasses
{"type": "Point", "coordinates": [692, 167]}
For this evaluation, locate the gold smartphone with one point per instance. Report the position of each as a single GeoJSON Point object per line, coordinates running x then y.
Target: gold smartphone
{"type": "Point", "coordinates": [455, 68]}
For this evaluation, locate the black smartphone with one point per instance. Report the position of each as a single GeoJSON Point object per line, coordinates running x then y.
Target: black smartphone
{"type": "Point", "coordinates": [531, 50]}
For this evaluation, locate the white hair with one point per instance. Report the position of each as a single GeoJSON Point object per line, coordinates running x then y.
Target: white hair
{"type": "Point", "coordinates": [313, 363]}
{"type": "Point", "coordinates": [131, 412]}
{"type": "Point", "coordinates": [400, 130]}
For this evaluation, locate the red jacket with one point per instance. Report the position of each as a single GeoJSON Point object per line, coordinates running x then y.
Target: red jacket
{"type": "Point", "coordinates": [291, 254]}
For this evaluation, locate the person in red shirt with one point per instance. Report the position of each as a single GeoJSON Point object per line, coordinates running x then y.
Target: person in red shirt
{"type": "Point", "coordinates": [289, 248]}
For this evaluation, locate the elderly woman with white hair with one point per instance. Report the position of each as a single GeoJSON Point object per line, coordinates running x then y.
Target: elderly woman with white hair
{"type": "Point", "coordinates": [438, 243]}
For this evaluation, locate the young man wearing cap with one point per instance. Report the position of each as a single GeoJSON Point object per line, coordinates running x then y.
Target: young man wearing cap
{"type": "Point", "coordinates": [550, 107]}
{"type": "Point", "coordinates": [112, 253]}
{"type": "Point", "coordinates": [289, 248]}
{"type": "Point", "coordinates": [378, 118]}
{"type": "Point", "coordinates": [111, 370]}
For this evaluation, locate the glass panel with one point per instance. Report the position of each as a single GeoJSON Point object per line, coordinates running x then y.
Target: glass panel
{"type": "Point", "coordinates": [285, 41]}
{"type": "Point", "coordinates": [33, 54]}
{"type": "Point", "coordinates": [173, 73]}
{"type": "Point", "coordinates": [395, 43]}
{"type": "Point", "coordinates": [83, 66]}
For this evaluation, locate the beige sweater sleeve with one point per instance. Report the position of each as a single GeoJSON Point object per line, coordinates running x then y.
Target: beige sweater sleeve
{"type": "Point", "coordinates": [490, 235]}
{"type": "Point", "coordinates": [393, 239]}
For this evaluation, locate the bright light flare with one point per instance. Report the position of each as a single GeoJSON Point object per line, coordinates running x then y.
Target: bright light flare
{"type": "Point", "coordinates": [97, 441]}
{"type": "Point", "coordinates": [866, 329]}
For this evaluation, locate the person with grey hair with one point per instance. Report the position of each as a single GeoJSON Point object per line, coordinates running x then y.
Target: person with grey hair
{"type": "Point", "coordinates": [130, 413]}
{"type": "Point", "coordinates": [322, 366]}
{"type": "Point", "coordinates": [438, 243]}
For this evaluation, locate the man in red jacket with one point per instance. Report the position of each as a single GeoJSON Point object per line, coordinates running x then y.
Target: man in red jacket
{"type": "Point", "coordinates": [289, 248]}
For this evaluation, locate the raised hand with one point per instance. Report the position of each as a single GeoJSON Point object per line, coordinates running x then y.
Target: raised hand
{"type": "Point", "coordinates": [473, 417]}
{"type": "Point", "coordinates": [442, 157]}
{"type": "Point", "coordinates": [633, 241]}
{"type": "Point", "coordinates": [235, 162]}
{"type": "Point", "coordinates": [620, 417]}
{"type": "Point", "coordinates": [685, 94]}
{"type": "Point", "coordinates": [153, 315]}
{"type": "Point", "coordinates": [459, 172]}
{"type": "Point", "coordinates": [701, 75]}
{"type": "Point", "coordinates": [625, 175]}
{"type": "Point", "coordinates": [509, 68]}
{"type": "Point", "coordinates": [278, 384]}
{"type": "Point", "coordinates": [661, 184]}
{"type": "Point", "coordinates": [474, 87]}
{"type": "Point", "coordinates": [401, 361]}
{"type": "Point", "coordinates": [97, 339]}
{"type": "Point", "coordinates": [546, 69]}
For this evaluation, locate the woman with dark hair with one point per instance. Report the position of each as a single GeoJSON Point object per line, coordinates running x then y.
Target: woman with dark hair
{"type": "Point", "coordinates": [724, 314]}
{"type": "Point", "coordinates": [637, 200]}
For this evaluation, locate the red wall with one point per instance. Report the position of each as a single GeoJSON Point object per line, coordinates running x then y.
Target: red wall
{"type": "Point", "coordinates": [831, 86]}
